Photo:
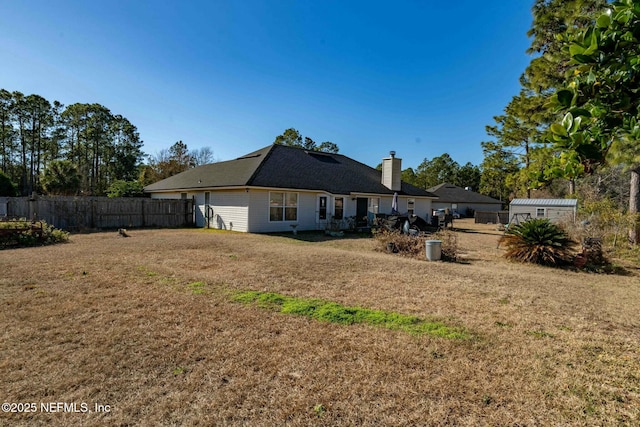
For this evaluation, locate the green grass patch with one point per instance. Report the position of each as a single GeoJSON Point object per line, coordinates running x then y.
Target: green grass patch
{"type": "Point", "coordinates": [146, 271]}
{"type": "Point", "coordinates": [337, 313]}
{"type": "Point", "coordinates": [197, 288]}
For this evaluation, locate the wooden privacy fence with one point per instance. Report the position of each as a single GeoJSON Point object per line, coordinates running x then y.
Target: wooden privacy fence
{"type": "Point", "coordinates": [77, 213]}
{"type": "Point", "coordinates": [491, 217]}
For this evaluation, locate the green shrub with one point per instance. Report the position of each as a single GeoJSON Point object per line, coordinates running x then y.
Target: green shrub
{"type": "Point", "coordinates": [538, 241]}
{"type": "Point", "coordinates": [31, 236]}
{"type": "Point", "coordinates": [54, 235]}
{"type": "Point", "coordinates": [121, 188]}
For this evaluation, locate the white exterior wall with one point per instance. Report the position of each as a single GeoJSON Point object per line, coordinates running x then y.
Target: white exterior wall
{"type": "Point", "coordinates": [308, 206]}
{"type": "Point", "coordinates": [385, 204]}
{"type": "Point", "coordinates": [230, 210]}
{"type": "Point", "coordinates": [422, 208]}
{"type": "Point", "coordinates": [349, 206]}
{"type": "Point", "coordinates": [258, 218]}
{"type": "Point", "coordinates": [248, 211]}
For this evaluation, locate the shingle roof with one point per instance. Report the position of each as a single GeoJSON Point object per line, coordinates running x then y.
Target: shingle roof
{"type": "Point", "coordinates": [450, 193]}
{"type": "Point", "coordinates": [279, 166]}
{"type": "Point", "coordinates": [545, 202]}
{"type": "Point", "coordinates": [223, 174]}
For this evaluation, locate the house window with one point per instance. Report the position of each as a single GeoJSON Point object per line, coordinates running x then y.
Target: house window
{"type": "Point", "coordinates": [322, 208]}
{"type": "Point", "coordinates": [338, 208]}
{"type": "Point", "coordinates": [374, 203]}
{"type": "Point", "coordinates": [283, 206]}
{"type": "Point", "coordinates": [183, 196]}
{"type": "Point", "coordinates": [411, 206]}
{"type": "Point", "coordinates": [540, 212]}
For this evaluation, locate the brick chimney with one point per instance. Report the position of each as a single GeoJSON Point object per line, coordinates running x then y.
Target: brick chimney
{"type": "Point", "coordinates": [391, 172]}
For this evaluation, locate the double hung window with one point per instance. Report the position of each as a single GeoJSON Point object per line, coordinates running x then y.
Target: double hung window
{"type": "Point", "coordinates": [283, 206]}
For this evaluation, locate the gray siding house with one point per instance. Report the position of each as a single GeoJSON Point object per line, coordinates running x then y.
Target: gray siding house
{"type": "Point", "coordinates": [553, 209]}
{"type": "Point", "coordinates": [461, 200]}
{"type": "Point", "coordinates": [278, 188]}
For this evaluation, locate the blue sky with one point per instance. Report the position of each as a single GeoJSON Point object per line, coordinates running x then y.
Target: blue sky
{"type": "Point", "coordinates": [418, 77]}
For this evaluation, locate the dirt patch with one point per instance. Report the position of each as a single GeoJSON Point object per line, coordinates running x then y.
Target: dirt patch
{"type": "Point", "coordinates": [146, 326]}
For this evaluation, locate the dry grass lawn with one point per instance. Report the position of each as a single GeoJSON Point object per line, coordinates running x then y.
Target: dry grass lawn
{"type": "Point", "coordinates": [119, 322]}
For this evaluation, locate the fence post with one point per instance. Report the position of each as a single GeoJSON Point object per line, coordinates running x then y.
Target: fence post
{"type": "Point", "coordinates": [92, 202]}
{"type": "Point", "coordinates": [191, 212]}
{"type": "Point", "coordinates": [32, 206]}
{"type": "Point", "coordinates": [144, 220]}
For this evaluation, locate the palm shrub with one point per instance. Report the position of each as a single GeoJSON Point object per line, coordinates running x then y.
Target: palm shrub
{"type": "Point", "coordinates": [538, 241]}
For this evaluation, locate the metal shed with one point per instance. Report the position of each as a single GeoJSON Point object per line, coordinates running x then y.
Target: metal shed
{"type": "Point", "coordinates": [553, 209]}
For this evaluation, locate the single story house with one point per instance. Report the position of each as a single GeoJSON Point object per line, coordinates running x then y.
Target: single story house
{"type": "Point", "coordinates": [463, 200]}
{"type": "Point", "coordinates": [279, 188]}
{"type": "Point", "coordinates": [553, 209]}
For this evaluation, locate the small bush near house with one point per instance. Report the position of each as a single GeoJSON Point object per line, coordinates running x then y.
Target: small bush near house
{"type": "Point", "coordinates": [538, 241]}
{"type": "Point", "coordinates": [22, 232]}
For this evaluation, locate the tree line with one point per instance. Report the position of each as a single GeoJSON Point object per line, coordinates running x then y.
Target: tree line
{"type": "Point", "coordinates": [77, 149]}
{"type": "Point", "coordinates": [80, 149]}
{"type": "Point", "coordinates": [443, 169]}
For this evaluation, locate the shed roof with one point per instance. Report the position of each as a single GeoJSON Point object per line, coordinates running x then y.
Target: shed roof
{"type": "Point", "coordinates": [279, 166]}
{"type": "Point", "coordinates": [545, 202]}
